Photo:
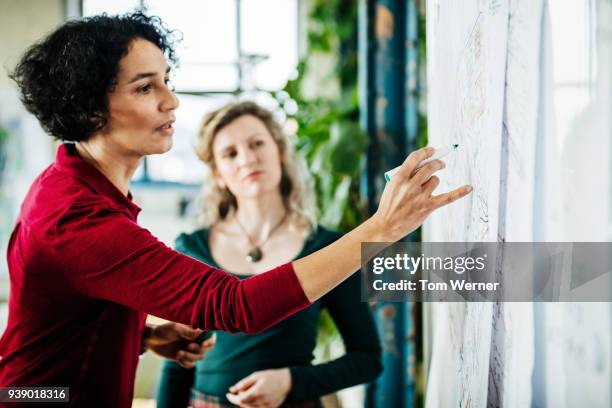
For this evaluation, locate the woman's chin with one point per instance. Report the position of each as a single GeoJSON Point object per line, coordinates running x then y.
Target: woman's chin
{"type": "Point", "coordinates": [162, 147]}
{"type": "Point", "coordinates": [257, 191]}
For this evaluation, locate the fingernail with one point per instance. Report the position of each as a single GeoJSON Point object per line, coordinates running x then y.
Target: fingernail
{"type": "Point", "coordinates": [469, 188]}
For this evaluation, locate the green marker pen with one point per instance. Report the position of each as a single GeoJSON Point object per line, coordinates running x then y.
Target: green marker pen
{"type": "Point", "coordinates": [440, 153]}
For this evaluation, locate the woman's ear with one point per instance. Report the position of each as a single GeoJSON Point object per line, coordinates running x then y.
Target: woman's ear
{"type": "Point", "coordinates": [98, 120]}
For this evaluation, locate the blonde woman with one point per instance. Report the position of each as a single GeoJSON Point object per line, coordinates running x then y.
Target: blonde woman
{"type": "Point", "coordinates": [259, 213]}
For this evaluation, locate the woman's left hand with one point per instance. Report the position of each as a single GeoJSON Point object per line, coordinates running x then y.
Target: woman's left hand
{"type": "Point", "coordinates": [174, 341]}
{"type": "Point", "coordinates": [267, 388]}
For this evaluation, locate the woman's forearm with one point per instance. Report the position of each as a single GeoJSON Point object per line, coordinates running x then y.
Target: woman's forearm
{"type": "Point", "coordinates": [323, 270]}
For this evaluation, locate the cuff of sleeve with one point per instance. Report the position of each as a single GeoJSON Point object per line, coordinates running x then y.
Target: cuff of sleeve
{"type": "Point", "coordinates": [297, 392]}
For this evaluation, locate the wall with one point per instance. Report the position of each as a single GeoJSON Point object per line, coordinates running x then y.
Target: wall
{"type": "Point", "coordinates": [21, 23]}
{"type": "Point", "coordinates": [29, 149]}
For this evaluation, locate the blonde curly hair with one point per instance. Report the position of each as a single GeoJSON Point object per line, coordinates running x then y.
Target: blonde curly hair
{"type": "Point", "coordinates": [296, 191]}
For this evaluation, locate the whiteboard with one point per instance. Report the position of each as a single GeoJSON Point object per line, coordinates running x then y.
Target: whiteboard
{"type": "Point", "coordinates": [466, 55]}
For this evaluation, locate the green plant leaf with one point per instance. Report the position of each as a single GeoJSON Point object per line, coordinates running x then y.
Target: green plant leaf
{"type": "Point", "coordinates": [348, 143]}
{"type": "Point", "coordinates": [333, 213]}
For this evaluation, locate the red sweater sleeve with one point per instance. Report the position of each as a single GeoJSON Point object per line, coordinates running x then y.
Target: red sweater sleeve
{"type": "Point", "coordinates": [103, 254]}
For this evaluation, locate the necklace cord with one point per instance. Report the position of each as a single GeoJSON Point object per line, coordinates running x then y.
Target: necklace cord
{"type": "Point", "coordinates": [272, 231]}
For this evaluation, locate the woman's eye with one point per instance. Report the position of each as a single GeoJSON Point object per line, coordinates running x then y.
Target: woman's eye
{"type": "Point", "coordinates": [258, 143]}
{"type": "Point", "coordinates": [169, 84]}
{"type": "Point", "coordinates": [144, 89]}
{"type": "Point", "coordinates": [230, 154]}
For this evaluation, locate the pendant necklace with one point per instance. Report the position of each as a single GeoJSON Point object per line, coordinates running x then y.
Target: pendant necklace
{"type": "Point", "coordinates": [255, 254]}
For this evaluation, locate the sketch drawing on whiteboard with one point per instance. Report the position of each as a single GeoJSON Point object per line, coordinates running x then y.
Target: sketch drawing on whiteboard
{"type": "Point", "coordinates": [470, 100]}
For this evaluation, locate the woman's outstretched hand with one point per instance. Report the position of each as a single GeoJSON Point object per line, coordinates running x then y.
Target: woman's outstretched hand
{"type": "Point", "coordinates": [407, 200]}
{"type": "Point", "coordinates": [405, 203]}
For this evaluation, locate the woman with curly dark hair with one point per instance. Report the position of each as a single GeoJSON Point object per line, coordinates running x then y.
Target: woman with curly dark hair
{"type": "Point", "coordinates": [84, 274]}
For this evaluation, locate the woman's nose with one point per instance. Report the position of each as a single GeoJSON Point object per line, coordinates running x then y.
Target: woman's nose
{"type": "Point", "coordinates": [170, 101]}
{"type": "Point", "coordinates": [248, 156]}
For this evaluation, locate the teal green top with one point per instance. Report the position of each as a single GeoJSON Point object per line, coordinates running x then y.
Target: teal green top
{"type": "Point", "coordinates": [290, 343]}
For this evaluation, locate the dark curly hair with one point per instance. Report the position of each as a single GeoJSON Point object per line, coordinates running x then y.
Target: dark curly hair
{"type": "Point", "coordinates": [65, 78]}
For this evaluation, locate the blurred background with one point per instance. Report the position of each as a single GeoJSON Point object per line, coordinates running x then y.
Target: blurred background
{"type": "Point", "coordinates": [348, 81]}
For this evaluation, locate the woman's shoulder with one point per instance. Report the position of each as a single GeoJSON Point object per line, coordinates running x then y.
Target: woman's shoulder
{"type": "Point", "coordinates": [193, 243]}
{"type": "Point", "coordinates": [325, 235]}
{"type": "Point", "coordinates": [319, 238]}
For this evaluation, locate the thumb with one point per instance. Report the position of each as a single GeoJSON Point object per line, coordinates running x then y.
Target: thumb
{"type": "Point", "coordinates": [187, 332]}
{"type": "Point", "coordinates": [244, 384]}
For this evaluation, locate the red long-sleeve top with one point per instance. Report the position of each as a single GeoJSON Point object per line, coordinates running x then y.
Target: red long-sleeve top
{"type": "Point", "coordinates": [83, 276]}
